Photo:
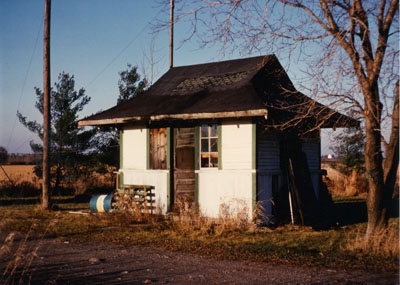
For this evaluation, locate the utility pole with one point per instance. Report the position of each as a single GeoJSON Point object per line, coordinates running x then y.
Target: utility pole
{"type": "Point", "coordinates": [46, 106]}
{"type": "Point", "coordinates": [171, 35]}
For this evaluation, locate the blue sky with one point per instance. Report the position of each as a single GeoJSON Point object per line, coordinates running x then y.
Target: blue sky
{"type": "Point", "coordinates": [92, 40]}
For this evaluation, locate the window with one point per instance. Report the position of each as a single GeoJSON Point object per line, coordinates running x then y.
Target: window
{"type": "Point", "coordinates": [209, 146]}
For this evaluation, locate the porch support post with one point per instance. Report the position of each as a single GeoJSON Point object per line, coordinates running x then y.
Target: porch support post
{"type": "Point", "coordinates": [254, 167]}
{"type": "Point", "coordinates": [121, 159]}
{"type": "Point", "coordinates": [170, 172]}
{"type": "Point", "coordinates": [196, 165]}
{"type": "Point", "coordinates": [147, 148]}
{"type": "Point", "coordinates": [219, 146]}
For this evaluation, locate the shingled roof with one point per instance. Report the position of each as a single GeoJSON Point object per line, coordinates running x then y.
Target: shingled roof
{"type": "Point", "coordinates": [249, 87]}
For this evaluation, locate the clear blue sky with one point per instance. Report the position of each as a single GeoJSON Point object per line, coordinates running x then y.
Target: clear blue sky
{"type": "Point", "coordinates": [92, 40]}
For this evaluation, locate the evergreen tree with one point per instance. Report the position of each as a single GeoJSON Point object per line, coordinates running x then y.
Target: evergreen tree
{"type": "Point", "coordinates": [3, 155]}
{"type": "Point", "coordinates": [69, 146]}
{"type": "Point", "coordinates": [129, 84]}
{"type": "Point", "coordinates": [349, 149]}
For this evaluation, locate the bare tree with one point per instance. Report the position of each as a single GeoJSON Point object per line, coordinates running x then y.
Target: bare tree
{"type": "Point", "coordinates": [350, 48]}
{"type": "Point", "coordinates": [149, 62]}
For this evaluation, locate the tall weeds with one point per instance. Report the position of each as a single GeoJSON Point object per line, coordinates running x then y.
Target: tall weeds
{"type": "Point", "coordinates": [385, 242]}
{"type": "Point", "coordinates": [19, 267]}
{"type": "Point", "coordinates": [343, 185]}
{"type": "Point", "coordinates": [18, 189]}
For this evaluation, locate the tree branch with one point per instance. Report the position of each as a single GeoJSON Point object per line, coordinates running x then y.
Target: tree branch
{"type": "Point", "coordinates": [383, 37]}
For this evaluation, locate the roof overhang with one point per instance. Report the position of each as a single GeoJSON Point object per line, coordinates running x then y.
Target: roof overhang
{"type": "Point", "coordinates": [192, 116]}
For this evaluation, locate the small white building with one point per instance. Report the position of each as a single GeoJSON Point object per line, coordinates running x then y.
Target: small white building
{"type": "Point", "coordinates": [227, 136]}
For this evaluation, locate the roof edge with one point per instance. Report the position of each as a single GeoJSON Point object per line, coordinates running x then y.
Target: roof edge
{"type": "Point", "coordinates": [233, 114]}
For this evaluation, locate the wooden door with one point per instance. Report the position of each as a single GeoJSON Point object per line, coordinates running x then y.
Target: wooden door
{"type": "Point", "coordinates": [158, 148]}
{"type": "Point", "coordinates": [184, 153]}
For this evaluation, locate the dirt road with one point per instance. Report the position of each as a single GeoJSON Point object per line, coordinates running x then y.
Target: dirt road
{"type": "Point", "coordinates": [63, 262]}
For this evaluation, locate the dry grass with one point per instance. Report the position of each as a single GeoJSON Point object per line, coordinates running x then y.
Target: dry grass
{"type": "Point", "coordinates": [385, 242]}
{"type": "Point", "coordinates": [340, 185]}
{"type": "Point", "coordinates": [188, 220]}
{"type": "Point", "coordinates": [227, 237]}
{"type": "Point", "coordinates": [21, 255]}
{"type": "Point", "coordinates": [95, 181]}
{"type": "Point", "coordinates": [24, 183]}
{"type": "Point", "coordinates": [19, 174]}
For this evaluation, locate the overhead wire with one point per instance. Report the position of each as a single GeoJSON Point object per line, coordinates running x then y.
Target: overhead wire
{"type": "Point", "coordinates": [118, 55]}
{"type": "Point", "coordinates": [90, 83]}
{"type": "Point", "coordinates": [25, 80]}
{"type": "Point", "coordinates": [122, 50]}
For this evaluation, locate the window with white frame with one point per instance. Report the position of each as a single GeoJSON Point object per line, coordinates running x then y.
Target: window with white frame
{"type": "Point", "coordinates": [209, 146]}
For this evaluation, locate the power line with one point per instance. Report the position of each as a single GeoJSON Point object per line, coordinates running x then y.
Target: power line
{"type": "Point", "coordinates": [118, 55]}
{"type": "Point", "coordinates": [24, 142]}
{"type": "Point", "coordinates": [25, 79]}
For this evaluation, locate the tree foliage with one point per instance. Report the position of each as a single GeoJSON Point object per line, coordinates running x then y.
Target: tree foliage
{"type": "Point", "coordinates": [69, 146]}
{"type": "Point", "coordinates": [130, 84]}
{"type": "Point", "coordinates": [349, 149]}
{"type": "Point", "coordinates": [3, 155]}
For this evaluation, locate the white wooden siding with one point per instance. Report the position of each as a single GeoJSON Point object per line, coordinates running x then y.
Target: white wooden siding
{"type": "Point", "coordinates": [224, 192]}
{"type": "Point", "coordinates": [236, 145]}
{"type": "Point", "coordinates": [156, 178]}
{"type": "Point", "coordinates": [134, 148]}
{"type": "Point", "coordinates": [229, 191]}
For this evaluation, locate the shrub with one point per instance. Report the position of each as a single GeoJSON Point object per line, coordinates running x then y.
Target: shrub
{"type": "Point", "coordinates": [18, 189]}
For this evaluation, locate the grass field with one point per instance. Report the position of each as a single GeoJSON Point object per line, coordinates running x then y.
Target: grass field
{"type": "Point", "coordinates": [20, 181]}
{"type": "Point", "coordinates": [340, 246]}
{"type": "Point", "coordinates": [18, 174]}
{"type": "Point", "coordinates": [340, 243]}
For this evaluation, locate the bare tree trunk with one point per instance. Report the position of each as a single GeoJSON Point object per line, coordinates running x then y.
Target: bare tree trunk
{"type": "Point", "coordinates": [46, 107]}
{"type": "Point", "coordinates": [391, 163]}
{"type": "Point", "coordinates": [381, 177]}
{"type": "Point", "coordinates": [373, 161]}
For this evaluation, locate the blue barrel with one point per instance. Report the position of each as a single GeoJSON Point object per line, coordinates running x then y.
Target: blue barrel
{"type": "Point", "coordinates": [101, 203]}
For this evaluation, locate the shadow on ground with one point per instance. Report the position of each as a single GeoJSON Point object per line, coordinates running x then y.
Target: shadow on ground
{"type": "Point", "coordinates": [352, 211]}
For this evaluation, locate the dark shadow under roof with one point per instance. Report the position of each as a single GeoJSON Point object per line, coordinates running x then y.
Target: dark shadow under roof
{"type": "Point", "coordinates": [249, 87]}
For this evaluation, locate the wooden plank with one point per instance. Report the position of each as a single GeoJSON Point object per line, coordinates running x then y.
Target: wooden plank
{"type": "Point", "coordinates": [184, 178]}
{"type": "Point", "coordinates": [293, 190]}
{"type": "Point", "coordinates": [234, 114]}
{"type": "Point", "coordinates": [158, 148]}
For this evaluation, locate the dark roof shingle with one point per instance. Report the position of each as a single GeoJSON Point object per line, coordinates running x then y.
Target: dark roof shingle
{"type": "Point", "coordinates": [254, 86]}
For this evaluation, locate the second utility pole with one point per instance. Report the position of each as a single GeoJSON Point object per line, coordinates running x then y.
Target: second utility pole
{"type": "Point", "coordinates": [171, 35]}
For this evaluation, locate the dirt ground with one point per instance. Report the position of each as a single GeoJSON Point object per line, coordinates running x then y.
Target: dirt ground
{"type": "Point", "coordinates": [64, 262]}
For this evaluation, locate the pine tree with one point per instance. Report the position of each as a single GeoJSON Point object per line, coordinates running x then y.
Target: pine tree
{"type": "Point", "coordinates": [69, 146]}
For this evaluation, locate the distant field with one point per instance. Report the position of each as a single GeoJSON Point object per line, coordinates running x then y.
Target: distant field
{"type": "Point", "coordinates": [19, 173]}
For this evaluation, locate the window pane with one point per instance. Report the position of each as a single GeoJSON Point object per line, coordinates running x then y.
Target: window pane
{"type": "Point", "coordinates": [214, 161]}
{"type": "Point", "coordinates": [204, 131]}
{"type": "Point", "coordinates": [204, 145]}
{"type": "Point", "coordinates": [214, 131]}
{"type": "Point", "coordinates": [214, 145]}
{"type": "Point", "coordinates": [204, 162]}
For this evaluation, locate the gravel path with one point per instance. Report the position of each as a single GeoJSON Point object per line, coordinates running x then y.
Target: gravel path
{"type": "Point", "coordinates": [59, 262]}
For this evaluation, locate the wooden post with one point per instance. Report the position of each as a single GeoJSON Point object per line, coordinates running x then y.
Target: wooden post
{"type": "Point", "coordinates": [46, 107]}
{"type": "Point", "coordinates": [171, 35]}
{"type": "Point", "coordinates": [295, 192]}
